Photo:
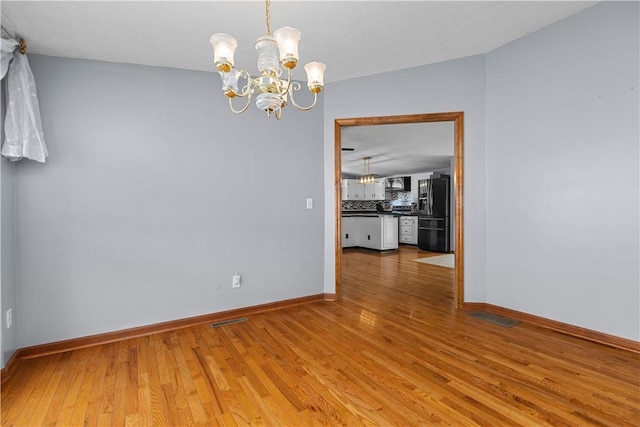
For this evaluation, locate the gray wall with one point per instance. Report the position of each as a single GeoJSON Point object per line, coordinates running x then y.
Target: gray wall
{"type": "Point", "coordinates": [8, 265]}
{"type": "Point", "coordinates": [562, 171]}
{"type": "Point", "coordinates": [154, 194]}
{"type": "Point", "coordinates": [8, 337]}
{"type": "Point", "coordinates": [449, 86]}
{"type": "Point", "coordinates": [551, 190]}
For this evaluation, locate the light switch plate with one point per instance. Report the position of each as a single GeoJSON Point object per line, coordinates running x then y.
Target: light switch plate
{"type": "Point", "coordinates": [309, 203]}
{"type": "Point", "coordinates": [236, 281]}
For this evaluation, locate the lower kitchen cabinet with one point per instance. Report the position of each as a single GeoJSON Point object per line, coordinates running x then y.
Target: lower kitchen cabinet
{"type": "Point", "coordinates": [408, 231]}
{"type": "Point", "coordinates": [377, 232]}
{"type": "Point", "coordinates": [370, 233]}
{"type": "Point", "coordinates": [389, 236]}
{"type": "Point", "coordinates": [348, 228]}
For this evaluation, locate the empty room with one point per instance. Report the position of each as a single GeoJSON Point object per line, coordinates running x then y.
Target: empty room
{"type": "Point", "coordinates": [307, 213]}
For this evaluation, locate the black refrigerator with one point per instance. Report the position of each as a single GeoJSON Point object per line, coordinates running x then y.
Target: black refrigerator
{"type": "Point", "coordinates": [433, 213]}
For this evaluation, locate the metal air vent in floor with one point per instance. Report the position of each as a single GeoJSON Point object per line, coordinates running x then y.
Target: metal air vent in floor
{"type": "Point", "coordinates": [228, 322]}
{"type": "Point", "coordinates": [493, 318]}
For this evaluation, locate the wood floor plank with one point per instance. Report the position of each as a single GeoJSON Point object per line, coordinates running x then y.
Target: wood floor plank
{"type": "Point", "coordinates": [20, 411]}
{"type": "Point", "coordinates": [144, 387]}
{"type": "Point", "coordinates": [156, 411]}
{"type": "Point", "coordinates": [108, 401]}
{"type": "Point", "coordinates": [122, 376]}
{"type": "Point", "coordinates": [169, 404]}
{"type": "Point", "coordinates": [78, 371]}
{"type": "Point", "coordinates": [94, 409]}
{"type": "Point", "coordinates": [395, 351]}
{"type": "Point", "coordinates": [91, 354]}
{"type": "Point", "coordinates": [188, 382]}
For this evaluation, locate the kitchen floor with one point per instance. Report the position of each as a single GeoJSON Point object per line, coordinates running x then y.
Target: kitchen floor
{"type": "Point", "coordinates": [396, 271]}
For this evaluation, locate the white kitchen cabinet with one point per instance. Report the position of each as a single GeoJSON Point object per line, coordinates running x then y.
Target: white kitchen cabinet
{"type": "Point", "coordinates": [374, 232]}
{"type": "Point", "coordinates": [370, 232]}
{"type": "Point", "coordinates": [348, 229]}
{"type": "Point", "coordinates": [408, 230]}
{"type": "Point", "coordinates": [389, 230]}
{"type": "Point", "coordinates": [352, 190]}
{"type": "Point", "coordinates": [374, 191]}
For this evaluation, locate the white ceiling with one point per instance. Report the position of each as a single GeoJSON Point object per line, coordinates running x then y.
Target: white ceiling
{"type": "Point", "coordinates": [397, 149]}
{"type": "Point", "coordinates": [353, 38]}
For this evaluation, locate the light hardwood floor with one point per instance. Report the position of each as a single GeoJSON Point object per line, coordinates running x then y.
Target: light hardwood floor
{"type": "Point", "coordinates": [394, 352]}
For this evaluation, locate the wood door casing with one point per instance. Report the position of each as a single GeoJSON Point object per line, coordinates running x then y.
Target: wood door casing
{"type": "Point", "coordinates": [458, 179]}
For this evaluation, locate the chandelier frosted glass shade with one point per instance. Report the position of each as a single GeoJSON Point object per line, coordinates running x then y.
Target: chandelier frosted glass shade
{"type": "Point", "coordinates": [272, 88]}
{"type": "Point", "coordinates": [230, 82]}
{"type": "Point", "coordinates": [315, 76]}
{"type": "Point", "coordinates": [224, 46]}
{"type": "Point", "coordinates": [288, 39]}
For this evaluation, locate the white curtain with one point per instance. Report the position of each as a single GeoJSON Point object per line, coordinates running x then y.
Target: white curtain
{"type": "Point", "coordinates": [22, 124]}
{"type": "Point", "coordinates": [8, 46]}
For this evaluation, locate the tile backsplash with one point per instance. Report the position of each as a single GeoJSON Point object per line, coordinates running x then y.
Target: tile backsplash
{"type": "Point", "coordinates": [365, 205]}
{"type": "Point", "coordinates": [395, 200]}
{"type": "Point", "coordinates": [401, 196]}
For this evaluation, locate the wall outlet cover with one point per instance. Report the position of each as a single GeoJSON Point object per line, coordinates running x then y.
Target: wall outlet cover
{"type": "Point", "coordinates": [9, 318]}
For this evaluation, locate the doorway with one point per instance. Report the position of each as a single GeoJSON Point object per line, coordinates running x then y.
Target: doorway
{"type": "Point", "coordinates": [458, 184]}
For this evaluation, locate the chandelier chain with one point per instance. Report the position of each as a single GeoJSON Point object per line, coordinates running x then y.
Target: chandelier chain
{"type": "Point", "coordinates": [268, 16]}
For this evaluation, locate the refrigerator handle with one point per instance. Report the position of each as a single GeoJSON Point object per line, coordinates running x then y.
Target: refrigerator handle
{"type": "Point", "coordinates": [430, 197]}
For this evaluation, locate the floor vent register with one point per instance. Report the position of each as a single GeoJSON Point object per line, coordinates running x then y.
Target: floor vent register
{"type": "Point", "coordinates": [498, 320]}
{"type": "Point", "coordinates": [228, 322]}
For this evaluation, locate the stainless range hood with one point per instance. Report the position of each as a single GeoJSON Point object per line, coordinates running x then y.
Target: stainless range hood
{"type": "Point", "coordinates": [398, 183]}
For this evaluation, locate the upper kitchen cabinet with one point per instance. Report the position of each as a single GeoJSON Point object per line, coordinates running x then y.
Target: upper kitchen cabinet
{"type": "Point", "coordinates": [353, 190]}
{"type": "Point", "coordinates": [374, 191]}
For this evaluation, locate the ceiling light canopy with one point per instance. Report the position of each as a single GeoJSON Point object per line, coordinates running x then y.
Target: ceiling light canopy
{"type": "Point", "coordinates": [368, 177]}
{"type": "Point", "coordinates": [275, 53]}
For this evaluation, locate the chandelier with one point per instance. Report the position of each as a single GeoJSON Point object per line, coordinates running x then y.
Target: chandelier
{"type": "Point", "coordinates": [368, 177]}
{"type": "Point", "coordinates": [270, 90]}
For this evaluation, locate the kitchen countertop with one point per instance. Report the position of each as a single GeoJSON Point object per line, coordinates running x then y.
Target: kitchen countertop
{"type": "Point", "coordinates": [373, 214]}
{"type": "Point", "coordinates": [367, 214]}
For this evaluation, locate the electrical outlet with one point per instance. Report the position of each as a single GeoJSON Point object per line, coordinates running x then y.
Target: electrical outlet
{"type": "Point", "coordinates": [236, 281]}
{"type": "Point", "coordinates": [9, 318]}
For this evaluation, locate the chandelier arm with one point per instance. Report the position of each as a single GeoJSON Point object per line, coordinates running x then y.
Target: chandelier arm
{"type": "Point", "coordinates": [243, 108]}
{"type": "Point", "coordinates": [245, 89]}
{"type": "Point", "coordinates": [287, 87]}
{"type": "Point", "coordinates": [296, 86]}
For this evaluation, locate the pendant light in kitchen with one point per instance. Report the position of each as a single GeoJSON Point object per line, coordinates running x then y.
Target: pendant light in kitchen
{"type": "Point", "coordinates": [368, 177]}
